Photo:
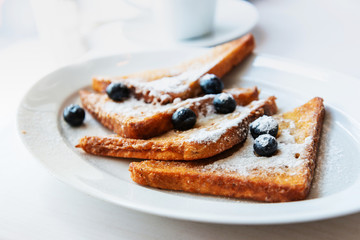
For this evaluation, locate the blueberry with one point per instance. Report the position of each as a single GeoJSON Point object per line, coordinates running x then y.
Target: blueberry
{"type": "Point", "coordinates": [265, 145]}
{"type": "Point", "coordinates": [183, 119]}
{"type": "Point", "coordinates": [117, 91]}
{"type": "Point", "coordinates": [224, 103]}
{"type": "Point", "coordinates": [264, 125]}
{"type": "Point", "coordinates": [74, 115]}
{"type": "Point", "coordinates": [211, 84]}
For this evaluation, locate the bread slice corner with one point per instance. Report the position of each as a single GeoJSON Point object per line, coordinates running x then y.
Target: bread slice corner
{"type": "Point", "coordinates": [238, 173]}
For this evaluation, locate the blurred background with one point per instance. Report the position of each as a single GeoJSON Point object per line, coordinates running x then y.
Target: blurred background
{"type": "Point", "coordinates": [37, 36]}
{"type": "Point", "coordinates": [63, 30]}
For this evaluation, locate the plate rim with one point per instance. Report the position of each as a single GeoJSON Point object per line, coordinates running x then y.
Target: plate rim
{"type": "Point", "coordinates": [170, 214]}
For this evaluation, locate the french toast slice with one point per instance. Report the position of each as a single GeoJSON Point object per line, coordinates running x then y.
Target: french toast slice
{"type": "Point", "coordinates": [212, 134]}
{"type": "Point", "coordinates": [136, 119]}
{"type": "Point", "coordinates": [182, 81]}
{"type": "Point", "coordinates": [238, 173]}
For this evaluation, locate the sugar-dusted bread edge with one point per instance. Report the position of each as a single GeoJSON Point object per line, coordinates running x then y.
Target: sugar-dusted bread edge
{"type": "Point", "coordinates": [220, 60]}
{"type": "Point", "coordinates": [191, 177]}
{"type": "Point", "coordinates": [313, 147]}
{"type": "Point", "coordinates": [143, 128]}
{"type": "Point", "coordinates": [175, 149]}
{"type": "Point", "coordinates": [147, 173]}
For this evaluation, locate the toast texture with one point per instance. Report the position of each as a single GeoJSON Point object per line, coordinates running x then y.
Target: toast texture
{"type": "Point", "coordinates": [238, 173]}
{"type": "Point", "coordinates": [182, 81]}
{"type": "Point", "coordinates": [212, 134]}
{"type": "Point", "coordinates": [136, 119]}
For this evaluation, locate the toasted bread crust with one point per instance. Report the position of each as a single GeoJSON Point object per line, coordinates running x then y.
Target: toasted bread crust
{"type": "Point", "coordinates": [143, 127]}
{"type": "Point", "coordinates": [177, 176]}
{"type": "Point", "coordinates": [175, 146]}
{"type": "Point", "coordinates": [218, 61]}
{"type": "Point", "coordinates": [312, 117]}
{"type": "Point", "coordinates": [261, 186]}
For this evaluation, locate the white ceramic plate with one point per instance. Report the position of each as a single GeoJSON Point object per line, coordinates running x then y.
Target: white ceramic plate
{"type": "Point", "coordinates": [336, 188]}
{"type": "Point", "coordinates": [233, 19]}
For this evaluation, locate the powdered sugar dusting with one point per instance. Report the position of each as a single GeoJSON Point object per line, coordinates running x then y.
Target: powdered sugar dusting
{"type": "Point", "coordinates": [134, 108]}
{"type": "Point", "coordinates": [210, 126]}
{"type": "Point", "coordinates": [224, 96]}
{"type": "Point", "coordinates": [286, 136]}
{"type": "Point", "coordinates": [163, 88]}
{"type": "Point", "coordinates": [245, 162]}
{"type": "Point", "coordinates": [212, 129]}
{"type": "Point", "coordinates": [264, 123]}
{"type": "Point", "coordinates": [214, 125]}
{"type": "Point", "coordinates": [263, 140]}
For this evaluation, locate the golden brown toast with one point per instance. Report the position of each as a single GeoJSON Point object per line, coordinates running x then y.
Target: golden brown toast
{"type": "Point", "coordinates": [136, 119]}
{"type": "Point", "coordinates": [238, 173]}
{"type": "Point", "coordinates": [182, 81]}
{"type": "Point", "coordinates": [212, 134]}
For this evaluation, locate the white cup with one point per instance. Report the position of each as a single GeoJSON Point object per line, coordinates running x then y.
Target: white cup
{"type": "Point", "coordinates": [184, 19]}
{"type": "Point", "coordinates": [180, 19]}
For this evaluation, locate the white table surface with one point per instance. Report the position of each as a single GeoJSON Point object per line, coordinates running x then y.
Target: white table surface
{"type": "Point", "coordinates": [35, 205]}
